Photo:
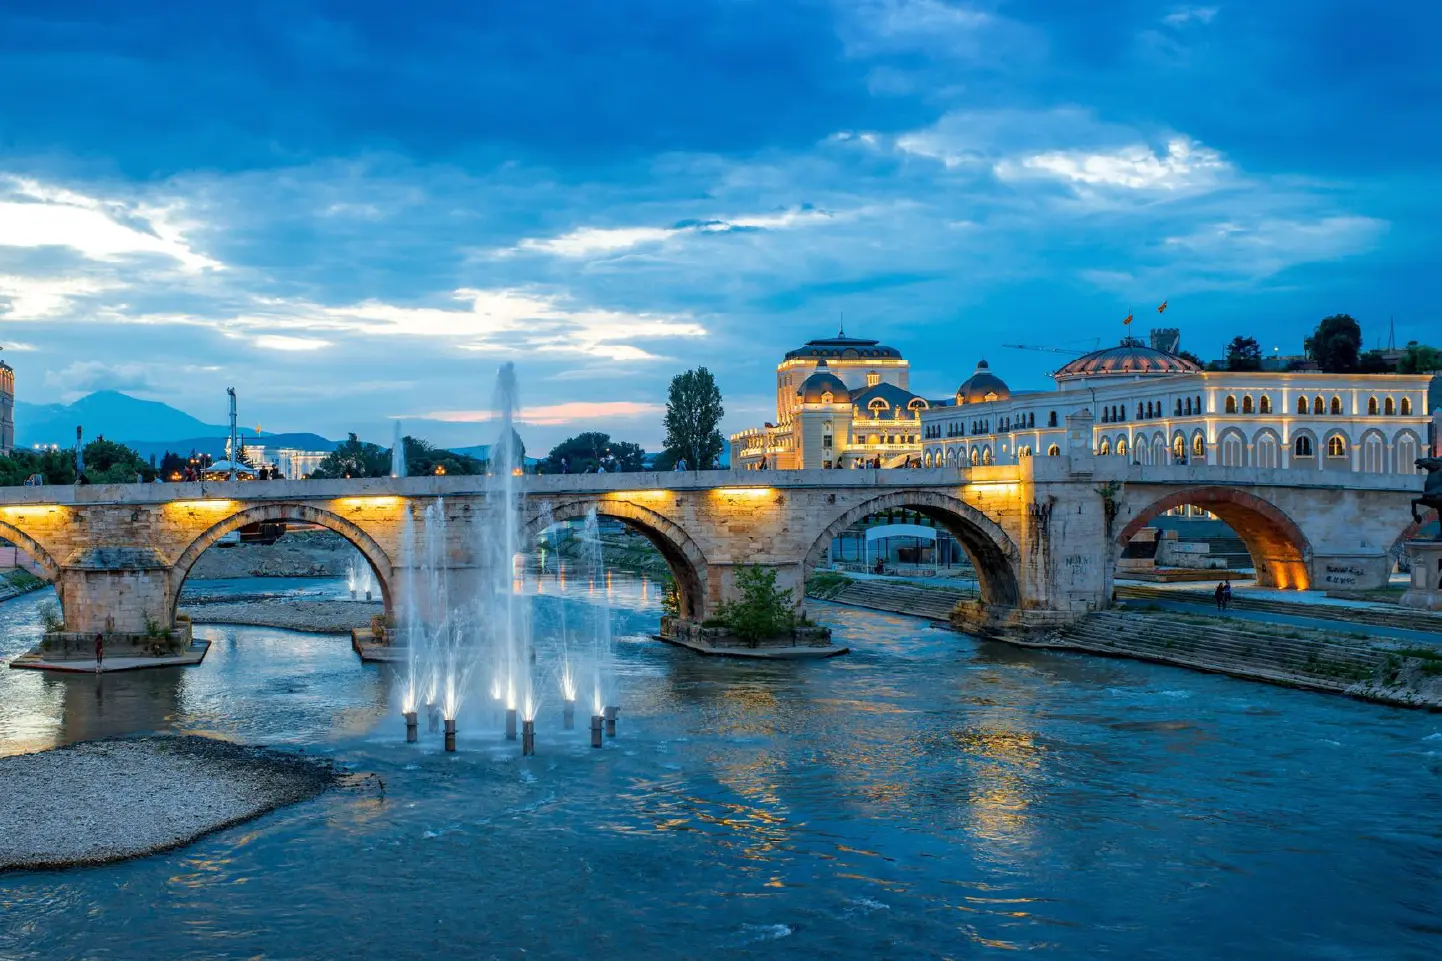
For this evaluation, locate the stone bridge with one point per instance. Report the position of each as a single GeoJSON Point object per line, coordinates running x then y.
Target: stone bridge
{"type": "Point", "coordinates": [1043, 535]}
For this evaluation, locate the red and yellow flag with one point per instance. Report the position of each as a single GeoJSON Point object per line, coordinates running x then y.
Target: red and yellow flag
{"type": "Point", "coordinates": [1128, 320]}
{"type": "Point", "coordinates": [1162, 309]}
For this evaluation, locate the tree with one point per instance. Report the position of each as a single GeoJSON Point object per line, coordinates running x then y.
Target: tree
{"type": "Point", "coordinates": [1244, 353]}
{"type": "Point", "coordinates": [762, 610]}
{"type": "Point", "coordinates": [1372, 362]}
{"type": "Point", "coordinates": [1336, 344]}
{"type": "Point", "coordinates": [423, 457]}
{"type": "Point", "coordinates": [1420, 359]}
{"type": "Point", "coordinates": [354, 458]}
{"type": "Point", "coordinates": [172, 465]}
{"type": "Point", "coordinates": [585, 452]}
{"type": "Point", "coordinates": [107, 462]}
{"type": "Point", "coordinates": [56, 466]}
{"type": "Point", "coordinates": [693, 414]}
{"type": "Point", "coordinates": [1188, 355]}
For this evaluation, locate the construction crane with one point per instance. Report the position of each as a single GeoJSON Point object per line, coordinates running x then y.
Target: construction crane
{"type": "Point", "coordinates": [1096, 341]}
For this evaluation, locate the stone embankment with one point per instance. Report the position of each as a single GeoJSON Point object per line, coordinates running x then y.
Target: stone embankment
{"type": "Point", "coordinates": [1335, 661]}
{"type": "Point", "coordinates": [1374, 615]}
{"type": "Point", "coordinates": [320, 617]}
{"type": "Point", "coordinates": [102, 801]}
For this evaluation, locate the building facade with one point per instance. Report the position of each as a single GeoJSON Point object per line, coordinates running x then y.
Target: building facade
{"type": "Point", "coordinates": [1155, 407]}
{"type": "Point", "coordinates": [840, 402]}
{"type": "Point", "coordinates": [7, 408]}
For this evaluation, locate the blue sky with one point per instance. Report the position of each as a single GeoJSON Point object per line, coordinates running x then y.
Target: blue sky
{"type": "Point", "coordinates": [354, 211]}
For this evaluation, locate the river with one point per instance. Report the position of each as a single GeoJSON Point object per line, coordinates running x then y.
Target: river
{"type": "Point", "coordinates": [926, 796]}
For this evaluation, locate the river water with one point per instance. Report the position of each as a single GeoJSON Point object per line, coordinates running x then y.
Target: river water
{"type": "Point", "coordinates": [926, 796]}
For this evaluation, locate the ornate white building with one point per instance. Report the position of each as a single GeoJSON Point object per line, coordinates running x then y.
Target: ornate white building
{"type": "Point", "coordinates": [840, 402]}
{"type": "Point", "coordinates": [1156, 407]}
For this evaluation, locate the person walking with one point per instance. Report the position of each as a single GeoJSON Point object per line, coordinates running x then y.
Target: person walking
{"type": "Point", "coordinates": [1226, 595]}
{"type": "Point", "coordinates": [1221, 596]}
{"type": "Point", "coordinates": [99, 652]}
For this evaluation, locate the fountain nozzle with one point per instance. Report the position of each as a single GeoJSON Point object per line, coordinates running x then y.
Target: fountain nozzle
{"type": "Point", "coordinates": [595, 730]}
{"type": "Point", "coordinates": [528, 738]}
{"type": "Point", "coordinates": [450, 734]}
{"type": "Point", "coordinates": [568, 715]}
{"type": "Point", "coordinates": [510, 724]}
{"type": "Point", "coordinates": [411, 727]}
{"type": "Point", "coordinates": [610, 716]}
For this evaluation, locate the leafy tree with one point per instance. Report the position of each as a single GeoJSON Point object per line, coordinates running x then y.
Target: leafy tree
{"type": "Point", "coordinates": [354, 457]}
{"type": "Point", "coordinates": [423, 457]}
{"type": "Point", "coordinates": [1420, 359]}
{"type": "Point", "coordinates": [1372, 362]}
{"type": "Point", "coordinates": [107, 462]}
{"type": "Point", "coordinates": [512, 454]}
{"type": "Point", "coordinates": [762, 610]}
{"type": "Point", "coordinates": [56, 466]}
{"type": "Point", "coordinates": [1336, 344]}
{"type": "Point", "coordinates": [1188, 355]}
{"type": "Point", "coordinates": [1244, 353]}
{"type": "Point", "coordinates": [172, 464]}
{"type": "Point", "coordinates": [693, 414]}
{"type": "Point", "coordinates": [584, 452]}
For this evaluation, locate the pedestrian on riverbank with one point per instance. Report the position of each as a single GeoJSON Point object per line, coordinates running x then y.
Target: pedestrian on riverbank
{"type": "Point", "coordinates": [1226, 595]}
{"type": "Point", "coordinates": [99, 652]}
{"type": "Point", "coordinates": [1221, 597]}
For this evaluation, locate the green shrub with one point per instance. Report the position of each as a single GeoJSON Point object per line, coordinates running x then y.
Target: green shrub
{"type": "Point", "coordinates": [51, 617]}
{"type": "Point", "coordinates": [763, 610]}
{"type": "Point", "coordinates": [670, 597]}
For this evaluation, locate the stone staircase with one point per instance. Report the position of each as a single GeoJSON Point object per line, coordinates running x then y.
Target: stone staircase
{"type": "Point", "coordinates": [1377, 615]}
{"type": "Point", "coordinates": [1295, 658]}
{"type": "Point", "coordinates": [897, 598]}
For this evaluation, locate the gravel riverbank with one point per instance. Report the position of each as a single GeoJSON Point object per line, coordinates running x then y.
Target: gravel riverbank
{"type": "Point", "coordinates": [321, 617]}
{"type": "Point", "coordinates": [102, 801]}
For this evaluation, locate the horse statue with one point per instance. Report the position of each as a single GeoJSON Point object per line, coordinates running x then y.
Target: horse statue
{"type": "Point", "coordinates": [1432, 489]}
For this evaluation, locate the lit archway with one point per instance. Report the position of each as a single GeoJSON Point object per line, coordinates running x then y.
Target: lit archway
{"type": "Point", "coordinates": [683, 557]}
{"type": "Point", "coordinates": [379, 561]}
{"type": "Point", "coordinates": [24, 543]}
{"type": "Point", "coordinates": [1280, 551]}
{"type": "Point", "coordinates": [992, 553]}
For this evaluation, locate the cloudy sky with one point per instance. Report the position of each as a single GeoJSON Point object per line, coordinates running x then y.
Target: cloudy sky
{"type": "Point", "coordinates": [353, 211]}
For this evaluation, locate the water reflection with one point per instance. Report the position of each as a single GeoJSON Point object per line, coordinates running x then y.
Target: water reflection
{"type": "Point", "coordinates": [927, 796]}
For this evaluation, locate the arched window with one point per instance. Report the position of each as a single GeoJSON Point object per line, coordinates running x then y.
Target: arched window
{"type": "Point", "coordinates": [1264, 445]}
{"type": "Point", "coordinates": [986, 455]}
{"type": "Point", "coordinates": [1106, 415]}
{"type": "Point", "coordinates": [1189, 407]}
{"type": "Point", "coordinates": [1247, 407]}
{"type": "Point", "coordinates": [1336, 406]}
{"type": "Point", "coordinates": [1301, 405]}
{"type": "Point", "coordinates": [975, 457]}
{"type": "Point", "coordinates": [1179, 449]}
{"type": "Point", "coordinates": [1121, 447]}
{"type": "Point", "coordinates": [1024, 451]}
{"type": "Point", "coordinates": [1265, 404]}
{"type": "Point", "coordinates": [1336, 446]}
{"type": "Point", "coordinates": [1199, 446]}
{"type": "Point", "coordinates": [1406, 454]}
{"type": "Point", "coordinates": [1319, 406]}
{"type": "Point", "coordinates": [1179, 408]}
{"type": "Point", "coordinates": [1233, 450]}
{"type": "Point", "coordinates": [1302, 446]}
{"type": "Point", "coordinates": [1389, 407]}
{"type": "Point", "coordinates": [926, 459]}
{"type": "Point", "coordinates": [1197, 407]}
{"type": "Point", "coordinates": [1053, 451]}
{"type": "Point", "coordinates": [1139, 410]}
{"type": "Point", "coordinates": [1105, 448]}
{"type": "Point", "coordinates": [1031, 420]}
{"type": "Point", "coordinates": [1406, 407]}
{"type": "Point", "coordinates": [1051, 421]}
{"type": "Point", "coordinates": [1374, 454]}
{"type": "Point", "coordinates": [1372, 406]}
{"type": "Point", "coordinates": [1231, 407]}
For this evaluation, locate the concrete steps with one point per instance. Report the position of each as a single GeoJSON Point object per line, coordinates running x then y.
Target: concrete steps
{"type": "Point", "coordinates": [896, 598]}
{"type": "Point", "coordinates": [1296, 658]}
{"type": "Point", "coordinates": [1376, 615]}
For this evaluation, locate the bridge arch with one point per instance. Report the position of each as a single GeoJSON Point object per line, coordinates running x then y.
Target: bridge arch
{"type": "Point", "coordinates": [34, 548]}
{"type": "Point", "coordinates": [374, 554]}
{"type": "Point", "coordinates": [1280, 551]}
{"type": "Point", "coordinates": [683, 557]}
{"type": "Point", "coordinates": [991, 552]}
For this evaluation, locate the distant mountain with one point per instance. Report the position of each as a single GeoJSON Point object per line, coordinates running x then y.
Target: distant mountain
{"type": "Point", "coordinates": [148, 426]}
{"type": "Point", "coordinates": [110, 413]}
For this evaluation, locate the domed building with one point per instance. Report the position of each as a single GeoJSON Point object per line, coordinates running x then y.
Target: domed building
{"type": "Point", "coordinates": [840, 402]}
{"type": "Point", "coordinates": [1150, 404]}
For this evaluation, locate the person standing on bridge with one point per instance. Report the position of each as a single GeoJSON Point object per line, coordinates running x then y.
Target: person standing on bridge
{"type": "Point", "coordinates": [99, 652]}
{"type": "Point", "coordinates": [1227, 594]}
{"type": "Point", "coordinates": [1221, 596]}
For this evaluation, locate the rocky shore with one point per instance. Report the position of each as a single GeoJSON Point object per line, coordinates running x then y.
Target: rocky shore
{"type": "Point", "coordinates": [297, 554]}
{"type": "Point", "coordinates": [103, 801]}
{"type": "Point", "coordinates": [320, 617]}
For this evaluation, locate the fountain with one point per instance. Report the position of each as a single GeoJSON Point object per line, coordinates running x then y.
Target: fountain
{"type": "Point", "coordinates": [464, 608]}
{"type": "Point", "coordinates": [359, 577]}
{"type": "Point", "coordinates": [398, 453]}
